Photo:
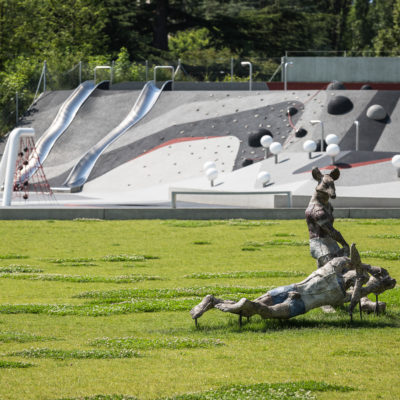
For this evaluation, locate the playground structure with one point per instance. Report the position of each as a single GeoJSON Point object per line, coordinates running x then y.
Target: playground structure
{"type": "Point", "coordinates": [129, 146]}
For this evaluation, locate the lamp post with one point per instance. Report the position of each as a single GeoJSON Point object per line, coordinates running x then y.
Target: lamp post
{"type": "Point", "coordinates": [211, 171]}
{"type": "Point", "coordinates": [212, 175]}
{"type": "Point", "coordinates": [243, 63]}
{"type": "Point", "coordinates": [285, 69]}
{"type": "Point", "coordinates": [356, 123]}
{"type": "Point", "coordinates": [309, 146]}
{"type": "Point", "coordinates": [266, 141]}
{"type": "Point", "coordinates": [275, 149]}
{"type": "Point", "coordinates": [317, 121]}
{"type": "Point", "coordinates": [396, 163]}
{"type": "Point", "coordinates": [263, 178]}
{"type": "Point", "coordinates": [333, 150]}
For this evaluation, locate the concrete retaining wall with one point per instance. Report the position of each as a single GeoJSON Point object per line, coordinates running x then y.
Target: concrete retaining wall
{"type": "Point", "coordinates": [14, 213]}
{"type": "Point", "coordinates": [348, 69]}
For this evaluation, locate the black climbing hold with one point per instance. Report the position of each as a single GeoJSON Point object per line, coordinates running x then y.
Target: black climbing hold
{"type": "Point", "coordinates": [301, 132]}
{"type": "Point", "coordinates": [255, 137]}
{"type": "Point", "coordinates": [340, 105]}
{"type": "Point", "coordinates": [336, 85]}
{"type": "Point", "coordinates": [25, 196]}
{"type": "Point", "coordinates": [291, 111]}
{"type": "Point", "coordinates": [247, 161]}
{"type": "Point", "coordinates": [26, 162]}
{"type": "Point", "coordinates": [366, 87]}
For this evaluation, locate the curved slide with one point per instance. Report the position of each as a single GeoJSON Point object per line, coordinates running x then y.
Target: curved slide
{"type": "Point", "coordinates": [61, 122]}
{"type": "Point", "coordinates": [146, 100]}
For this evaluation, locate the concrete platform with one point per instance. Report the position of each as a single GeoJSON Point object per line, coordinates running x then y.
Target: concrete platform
{"type": "Point", "coordinates": [167, 149]}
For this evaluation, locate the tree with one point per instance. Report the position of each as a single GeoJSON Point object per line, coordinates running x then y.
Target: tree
{"type": "Point", "coordinates": [387, 39]}
{"type": "Point", "coordinates": [359, 25]}
{"type": "Point", "coordinates": [44, 28]}
{"type": "Point", "coordinates": [160, 28]}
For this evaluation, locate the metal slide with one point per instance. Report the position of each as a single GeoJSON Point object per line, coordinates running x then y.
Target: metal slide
{"type": "Point", "coordinates": [146, 100]}
{"type": "Point", "coordinates": [61, 122]}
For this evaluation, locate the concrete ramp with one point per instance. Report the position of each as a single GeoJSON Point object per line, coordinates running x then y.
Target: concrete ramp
{"type": "Point", "coordinates": [146, 100]}
{"type": "Point", "coordinates": [61, 122]}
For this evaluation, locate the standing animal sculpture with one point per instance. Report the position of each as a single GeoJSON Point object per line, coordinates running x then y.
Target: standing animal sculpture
{"type": "Point", "coordinates": [339, 281]}
{"type": "Point", "coordinates": [324, 238]}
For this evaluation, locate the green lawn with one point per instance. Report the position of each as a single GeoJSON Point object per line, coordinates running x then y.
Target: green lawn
{"type": "Point", "coordinates": [100, 310]}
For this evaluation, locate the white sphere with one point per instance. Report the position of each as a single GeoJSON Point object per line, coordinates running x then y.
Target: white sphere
{"type": "Point", "coordinates": [309, 146]}
{"type": "Point", "coordinates": [333, 150]}
{"type": "Point", "coordinates": [263, 177]}
{"type": "Point", "coordinates": [212, 173]}
{"type": "Point", "coordinates": [266, 141]}
{"type": "Point", "coordinates": [275, 148]}
{"type": "Point", "coordinates": [396, 161]}
{"type": "Point", "coordinates": [332, 139]}
{"type": "Point", "coordinates": [209, 164]}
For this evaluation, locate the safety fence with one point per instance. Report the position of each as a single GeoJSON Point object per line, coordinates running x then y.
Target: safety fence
{"type": "Point", "coordinates": [18, 95]}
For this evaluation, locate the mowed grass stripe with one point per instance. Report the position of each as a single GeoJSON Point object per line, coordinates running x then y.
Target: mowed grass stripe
{"type": "Point", "coordinates": [245, 274]}
{"type": "Point", "coordinates": [100, 309]}
{"type": "Point", "coordinates": [196, 291]}
{"type": "Point", "coordinates": [79, 278]}
{"type": "Point", "coordinates": [176, 343]}
{"type": "Point", "coordinates": [74, 354]}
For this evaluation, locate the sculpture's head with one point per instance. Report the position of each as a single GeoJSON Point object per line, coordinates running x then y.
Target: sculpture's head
{"type": "Point", "coordinates": [326, 182]}
{"type": "Point", "coordinates": [384, 280]}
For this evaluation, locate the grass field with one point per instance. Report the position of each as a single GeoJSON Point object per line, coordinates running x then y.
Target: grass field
{"type": "Point", "coordinates": [100, 310]}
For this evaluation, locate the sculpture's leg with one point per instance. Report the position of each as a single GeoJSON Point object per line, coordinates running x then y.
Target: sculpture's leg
{"type": "Point", "coordinates": [245, 307]}
{"type": "Point", "coordinates": [369, 306]}
{"type": "Point", "coordinates": [359, 306]}
{"type": "Point", "coordinates": [206, 304]}
{"type": "Point", "coordinates": [376, 305]}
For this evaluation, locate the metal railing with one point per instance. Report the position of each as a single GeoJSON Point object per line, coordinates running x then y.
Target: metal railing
{"type": "Point", "coordinates": [174, 194]}
{"type": "Point", "coordinates": [102, 67]}
{"type": "Point", "coordinates": [170, 67]}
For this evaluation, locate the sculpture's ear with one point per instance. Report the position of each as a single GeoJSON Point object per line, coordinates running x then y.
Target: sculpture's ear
{"type": "Point", "coordinates": [316, 174]}
{"type": "Point", "coordinates": [335, 173]}
{"type": "Point", "coordinates": [354, 255]}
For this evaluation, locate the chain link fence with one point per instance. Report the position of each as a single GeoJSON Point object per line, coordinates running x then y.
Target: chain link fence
{"type": "Point", "coordinates": [16, 98]}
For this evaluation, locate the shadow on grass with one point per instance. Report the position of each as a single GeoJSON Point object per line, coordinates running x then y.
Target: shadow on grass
{"type": "Point", "coordinates": [341, 321]}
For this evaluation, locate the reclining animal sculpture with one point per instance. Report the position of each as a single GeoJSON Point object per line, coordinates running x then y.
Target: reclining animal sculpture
{"type": "Point", "coordinates": [339, 281]}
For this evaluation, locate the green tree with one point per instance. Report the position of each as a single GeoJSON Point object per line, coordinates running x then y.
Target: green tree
{"type": "Point", "coordinates": [44, 28]}
{"type": "Point", "coordinates": [359, 26]}
{"type": "Point", "coordinates": [387, 40]}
